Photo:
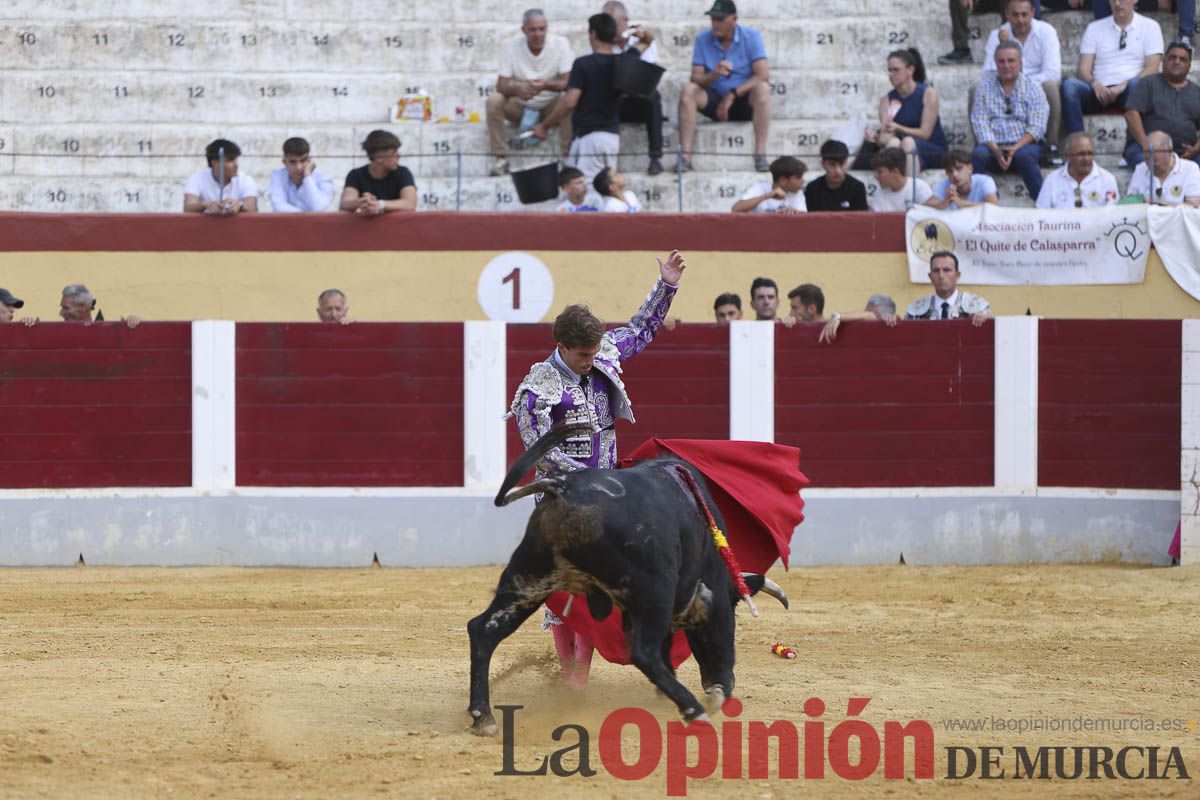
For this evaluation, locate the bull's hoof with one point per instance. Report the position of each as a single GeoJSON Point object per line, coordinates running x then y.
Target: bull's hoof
{"type": "Point", "coordinates": [714, 698]}
{"type": "Point", "coordinates": [695, 715]}
{"type": "Point", "coordinates": [484, 724]}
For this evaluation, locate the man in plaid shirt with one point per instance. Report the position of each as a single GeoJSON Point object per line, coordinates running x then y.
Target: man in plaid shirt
{"type": "Point", "coordinates": [1009, 117]}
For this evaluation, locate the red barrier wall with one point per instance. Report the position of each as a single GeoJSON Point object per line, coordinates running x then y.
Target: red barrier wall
{"type": "Point", "coordinates": [349, 405]}
{"type": "Point", "coordinates": [904, 406]}
{"type": "Point", "coordinates": [1108, 403]}
{"type": "Point", "coordinates": [97, 405]}
{"type": "Point", "coordinates": [679, 384]}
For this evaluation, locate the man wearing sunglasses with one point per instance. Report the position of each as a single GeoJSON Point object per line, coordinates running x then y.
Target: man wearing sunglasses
{"type": "Point", "coordinates": [1081, 183]}
{"type": "Point", "coordinates": [1116, 52]}
{"type": "Point", "coordinates": [1009, 117]}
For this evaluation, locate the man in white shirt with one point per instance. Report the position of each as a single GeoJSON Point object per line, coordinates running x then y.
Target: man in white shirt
{"type": "Point", "coordinates": [298, 185]}
{"type": "Point", "coordinates": [204, 192]}
{"type": "Point", "coordinates": [783, 194]}
{"type": "Point", "coordinates": [895, 191]}
{"type": "Point", "coordinates": [1115, 53]}
{"type": "Point", "coordinates": [534, 67]}
{"type": "Point", "coordinates": [1081, 183]}
{"type": "Point", "coordinates": [1041, 61]}
{"type": "Point", "coordinates": [1174, 181]}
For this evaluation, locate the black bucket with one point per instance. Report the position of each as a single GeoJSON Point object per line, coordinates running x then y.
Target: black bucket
{"type": "Point", "coordinates": [537, 184]}
{"type": "Point", "coordinates": [635, 77]}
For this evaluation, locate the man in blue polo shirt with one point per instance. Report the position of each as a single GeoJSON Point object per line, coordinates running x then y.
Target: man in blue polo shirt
{"type": "Point", "coordinates": [729, 81]}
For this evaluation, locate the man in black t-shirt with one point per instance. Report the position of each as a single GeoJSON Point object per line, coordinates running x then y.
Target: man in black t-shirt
{"type": "Point", "coordinates": [835, 190]}
{"type": "Point", "coordinates": [592, 101]}
{"type": "Point", "coordinates": [381, 185]}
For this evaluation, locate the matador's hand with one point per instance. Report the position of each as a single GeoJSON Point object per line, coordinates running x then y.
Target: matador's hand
{"type": "Point", "coordinates": [672, 269]}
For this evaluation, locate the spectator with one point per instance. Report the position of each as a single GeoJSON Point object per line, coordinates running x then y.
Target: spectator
{"type": "Point", "coordinates": [727, 307]}
{"type": "Point", "coordinates": [592, 101]}
{"type": "Point", "coordinates": [77, 305]}
{"type": "Point", "coordinates": [381, 185]}
{"type": "Point", "coordinates": [808, 303]}
{"type": "Point", "coordinates": [1185, 10]}
{"type": "Point", "coordinates": [960, 33]}
{"type": "Point", "coordinates": [580, 197]}
{"type": "Point", "coordinates": [961, 188]}
{"type": "Point", "coordinates": [616, 197]}
{"type": "Point", "coordinates": [1082, 183]}
{"type": "Point", "coordinates": [835, 190]}
{"type": "Point", "coordinates": [298, 185]}
{"type": "Point", "coordinates": [9, 305]}
{"type": "Point", "coordinates": [332, 307]}
{"type": "Point", "coordinates": [879, 308]}
{"type": "Point", "coordinates": [1113, 56]}
{"type": "Point", "coordinates": [764, 298]}
{"type": "Point", "coordinates": [782, 194]}
{"type": "Point", "coordinates": [1041, 62]}
{"type": "Point", "coordinates": [204, 191]}
{"type": "Point", "coordinates": [896, 192]}
{"type": "Point", "coordinates": [908, 114]}
{"type": "Point", "coordinates": [1175, 180]}
{"type": "Point", "coordinates": [730, 81]}
{"type": "Point", "coordinates": [639, 109]}
{"type": "Point", "coordinates": [1166, 101]}
{"type": "Point", "coordinates": [1009, 117]}
{"type": "Point", "coordinates": [533, 75]}
{"type": "Point", "coordinates": [947, 302]}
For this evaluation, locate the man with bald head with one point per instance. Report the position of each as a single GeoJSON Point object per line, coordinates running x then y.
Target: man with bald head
{"type": "Point", "coordinates": [332, 307]}
{"type": "Point", "coordinates": [1173, 181]}
{"type": "Point", "coordinates": [1081, 182]}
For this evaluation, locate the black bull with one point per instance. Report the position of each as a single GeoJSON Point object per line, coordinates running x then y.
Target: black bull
{"type": "Point", "coordinates": [635, 538]}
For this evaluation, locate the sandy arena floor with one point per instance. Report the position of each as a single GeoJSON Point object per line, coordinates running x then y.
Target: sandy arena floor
{"type": "Point", "coordinates": [353, 683]}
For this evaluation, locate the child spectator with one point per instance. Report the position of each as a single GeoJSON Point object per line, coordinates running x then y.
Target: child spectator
{"type": "Point", "coordinates": [579, 198]}
{"type": "Point", "coordinates": [962, 188]}
{"type": "Point", "coordinates": [616, 197]}
{"type": "Point", "coordinates": [782, 194]}
{"type": "Point", "coordinates": [835, 190]}
{"type": "Point", "coordinates": [896, 192]}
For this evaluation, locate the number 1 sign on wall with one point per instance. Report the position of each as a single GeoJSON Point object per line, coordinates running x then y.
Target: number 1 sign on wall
{"type": "Point", "coordinates": [515, 287]}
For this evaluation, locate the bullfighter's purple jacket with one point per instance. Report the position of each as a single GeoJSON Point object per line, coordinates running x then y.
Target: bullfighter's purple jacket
{"type": "Point", "coordinates": [551, 393]}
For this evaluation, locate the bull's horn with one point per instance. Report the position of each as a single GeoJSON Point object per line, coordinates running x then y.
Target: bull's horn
{"type": "Point", "coordinates": [551, 485]}
{"type": "Point", "coordinates": [772, 588]}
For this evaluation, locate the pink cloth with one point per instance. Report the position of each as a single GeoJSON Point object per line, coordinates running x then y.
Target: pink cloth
{"type": "Point", "coordinates": [1173, 550]}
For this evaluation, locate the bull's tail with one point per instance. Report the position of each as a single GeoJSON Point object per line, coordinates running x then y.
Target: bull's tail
{"type": "Point", "coordinates": [532, 456]}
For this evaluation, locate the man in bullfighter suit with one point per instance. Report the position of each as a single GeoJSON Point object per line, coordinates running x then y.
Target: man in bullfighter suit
{"type": "Point", "coordinates": [581, 383]}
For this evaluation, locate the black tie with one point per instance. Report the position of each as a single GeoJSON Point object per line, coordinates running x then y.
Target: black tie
{"type": "Point", "coordinates": [945, 310]}
{"type": "Point", "coordinates": [583, 382]}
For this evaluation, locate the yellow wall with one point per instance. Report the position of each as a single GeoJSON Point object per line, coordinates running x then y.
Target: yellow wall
{"type": "Point", "coordinates": [440, 286]}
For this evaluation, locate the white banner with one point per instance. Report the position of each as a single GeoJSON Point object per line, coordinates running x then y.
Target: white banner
{"type": "Point", "coordinates": [1003, 246]}
{"type": "Point", "coordinates": [1176, 234]}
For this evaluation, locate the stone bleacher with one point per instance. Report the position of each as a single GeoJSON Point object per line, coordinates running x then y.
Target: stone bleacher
{"type": "Point", "coordinates": [107, 106]}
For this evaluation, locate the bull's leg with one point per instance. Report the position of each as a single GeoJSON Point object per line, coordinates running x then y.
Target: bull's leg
{"type": "Point", "coordinates": [713, 649]}
{"type": "Point", "coordinates": [646, 636]}
{"type": "Point", "coordinates": [512, 605]}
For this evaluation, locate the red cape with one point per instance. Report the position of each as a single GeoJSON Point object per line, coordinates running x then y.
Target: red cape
{"type": "Point", "coordinates": [756, 486]}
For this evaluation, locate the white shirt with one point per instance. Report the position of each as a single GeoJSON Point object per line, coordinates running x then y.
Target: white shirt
{"type": "Point", "coordinates": [1098, 188]}
{"type": "Point", "coordinates": [649, 55]}
{"type": "Point", "coordinates": [204, 185]}
{"type": "Point", "coordinates": [517, 62]}
{"type": "Point", "coordinates": [313, 194]}
{"type": "Point", "coordinates": [1041, 53]}
{"type": "Point", "coordinates": [630, 205]}
{"type": "Point", "coordinates": [1182, 182]}
{"type": "Point", "coordinates": [903, 199]}
{"type": "Point", "coordinates": [793, 200]}
{"type": "Point", "coordinates": [591, 202]}
{"type": "Point", "coordinates": [1113, 65]}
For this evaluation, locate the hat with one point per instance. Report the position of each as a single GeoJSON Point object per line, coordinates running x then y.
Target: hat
{"type": "Point", "coordinates": [721, 9]}
{"type": "Point", "coordinates": [833, 150]}
{"type": "Point", "coordinates": [8, 300]}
